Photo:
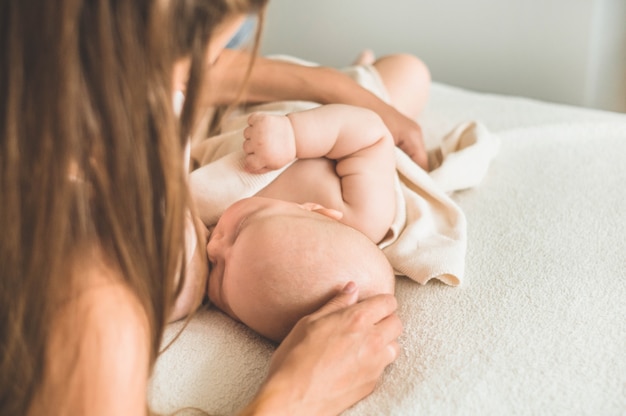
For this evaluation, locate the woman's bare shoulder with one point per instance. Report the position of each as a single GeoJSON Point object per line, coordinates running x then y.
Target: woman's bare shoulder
{"type": "Point", "coordinates": [99, 349]}
{"type": "Point", "coordinates": [106, 302]}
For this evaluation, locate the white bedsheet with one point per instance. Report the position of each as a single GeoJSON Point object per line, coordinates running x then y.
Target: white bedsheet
{"type": "Point", "coordinates": [538, 327]}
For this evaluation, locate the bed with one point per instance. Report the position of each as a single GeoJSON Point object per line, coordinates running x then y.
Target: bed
{"type": "Point", "coordinates": [537, 327]}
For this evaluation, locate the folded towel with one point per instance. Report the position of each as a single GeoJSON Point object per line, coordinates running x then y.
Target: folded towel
{"type": "Point", "coordinates": [462, 160]}
{"type": "Point", "coordinates": [428, 236]}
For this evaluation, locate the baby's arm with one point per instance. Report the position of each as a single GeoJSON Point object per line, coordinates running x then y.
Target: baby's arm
{"type": "Point", "coordinates": [333, 131]}
{"type": "Point", "coordinates": [356, 138]}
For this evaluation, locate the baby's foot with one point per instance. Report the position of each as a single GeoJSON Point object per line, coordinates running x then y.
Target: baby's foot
{"type": "Point", "coordinates": [366, 57]}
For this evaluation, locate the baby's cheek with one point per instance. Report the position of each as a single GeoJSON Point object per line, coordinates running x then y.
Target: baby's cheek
{"type": "Point", "coordinates": [238, 296]}
{"type": "Point", "coordinates": [221, 295]}
{"type": "Point", "coordinates": [214, 291]}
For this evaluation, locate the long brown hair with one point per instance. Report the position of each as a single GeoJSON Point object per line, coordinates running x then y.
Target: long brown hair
{"type": "Point", "coordinates": [90, 160]}
{"type": "Point", "coordinates": [194, 20]}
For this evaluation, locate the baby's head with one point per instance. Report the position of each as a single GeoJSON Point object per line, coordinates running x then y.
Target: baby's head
{"type": "Point", "coordinates": [273, 262]}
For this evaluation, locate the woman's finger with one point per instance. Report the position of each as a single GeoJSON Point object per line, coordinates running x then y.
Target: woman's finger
{"type": "Point", "coordinates": [390, 327]}
{"type": "Point", "coordinates": [374, 309]}
{"type": "Point", "coordinates": [348, 296]}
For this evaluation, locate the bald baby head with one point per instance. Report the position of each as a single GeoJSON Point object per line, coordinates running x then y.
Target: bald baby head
{"type": "Point", "coordinates": [288, 265]}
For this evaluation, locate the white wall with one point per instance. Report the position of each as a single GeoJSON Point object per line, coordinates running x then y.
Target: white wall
{"type": "Point", "coordinates": [568, 51]}
{"type": "Point", "coordinates": [606, 83]}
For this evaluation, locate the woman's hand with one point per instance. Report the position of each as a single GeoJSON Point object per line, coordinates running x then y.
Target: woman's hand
{"type": "Point", "coordinates": [332, 358]}
{"type": "Point", "coordinates": [407, 135]}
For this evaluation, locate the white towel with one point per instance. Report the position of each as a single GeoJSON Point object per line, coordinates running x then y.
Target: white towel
{"type": "Point", "coordinates": [463, 158]}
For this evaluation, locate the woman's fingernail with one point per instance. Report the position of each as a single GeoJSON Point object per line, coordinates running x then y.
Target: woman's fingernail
{"type": "Point", "coordinates": [350, 287]}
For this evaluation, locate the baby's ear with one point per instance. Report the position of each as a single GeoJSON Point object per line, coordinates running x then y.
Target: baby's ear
{"type": "Point", "coordinates": [320, 209]}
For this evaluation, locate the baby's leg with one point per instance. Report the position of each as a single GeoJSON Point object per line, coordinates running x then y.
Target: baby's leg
{"type": "Point", "coordinates": [407, 80]}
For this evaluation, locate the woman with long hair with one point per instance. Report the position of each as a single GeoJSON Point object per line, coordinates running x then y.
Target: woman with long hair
{"type": "Point", "coordinates": [93, 208]}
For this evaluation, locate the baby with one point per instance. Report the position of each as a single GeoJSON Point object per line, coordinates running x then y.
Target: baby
{"type": "Point", "coordinates": [283, 253]}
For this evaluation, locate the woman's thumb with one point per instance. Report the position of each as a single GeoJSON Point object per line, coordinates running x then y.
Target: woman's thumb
{"type": "Point", "coordinates": [348, 296]}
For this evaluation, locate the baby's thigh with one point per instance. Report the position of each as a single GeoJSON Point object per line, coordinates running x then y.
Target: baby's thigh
{"type": "Point", "coordinates": [407, 80]}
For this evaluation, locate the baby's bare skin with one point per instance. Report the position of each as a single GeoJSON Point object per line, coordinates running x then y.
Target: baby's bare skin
{"type": "Point", "coordinates": [345, 162]}
{"type": "Point", "coordinates": [273, 262]}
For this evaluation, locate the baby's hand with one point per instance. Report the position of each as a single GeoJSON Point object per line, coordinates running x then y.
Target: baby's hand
{"type": "Point", "coordinates": [269, 143]}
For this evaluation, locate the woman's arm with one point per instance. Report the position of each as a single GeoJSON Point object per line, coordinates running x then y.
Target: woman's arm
{"type": "Point", "coordinates": [332, 358]}
{"type": "Point", "coordinates": [275, 80]}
